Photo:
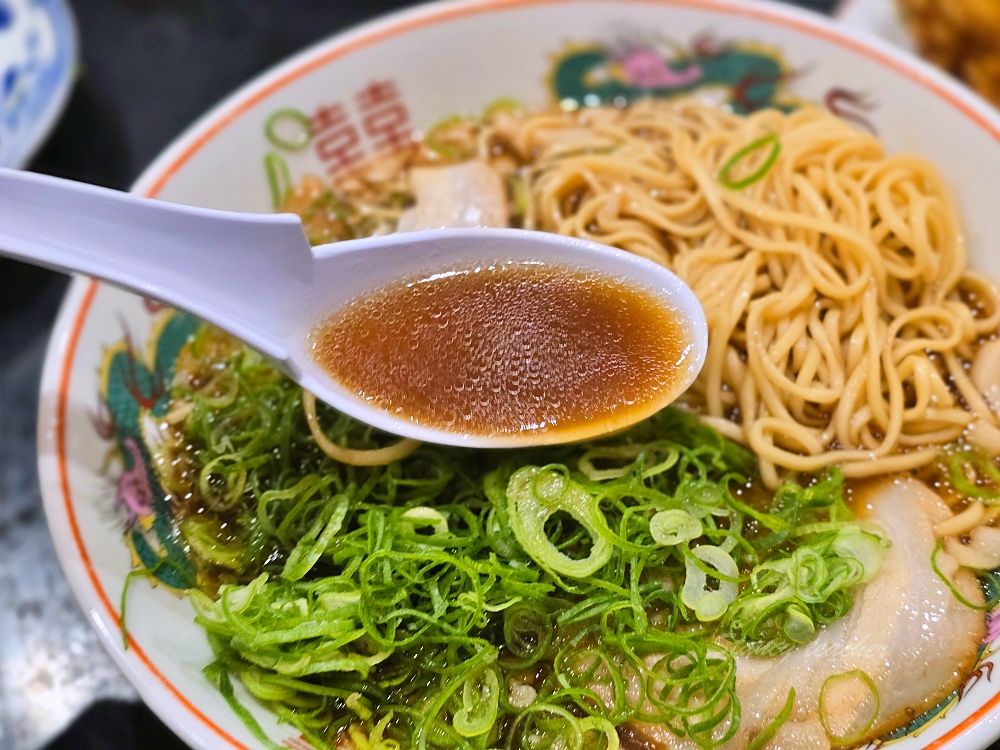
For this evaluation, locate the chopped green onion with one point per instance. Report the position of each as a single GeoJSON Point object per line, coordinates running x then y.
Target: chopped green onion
{"type": "Point", "coordinates": [433, 138]}
{"type": "Point", "coordinates": [985, 482]}
{"type": "Point", "coordinates": [534, 495]}
{"type": "Point", "coordinates": [488, 691]}
{"type": "Point", "coordinates": [604, 728]}
{"type": "Point", "coordinates": [283, 119]}
{"type": "Point", "coordinates": [541, 726]}
{"type": "Point", "coordinates": [315, 541]}
{"type": "Point", "coordinates": [767, 140]}
{"type": "Point", "coordinates": [984, 607]}
{"type": "Point", "coordinates": [527, 633]}
{"type": "Point", "coordinates": [798, 626]}
{"type": "Point", "coordinates": [672, 527]}
{"type": "Point", "coordinates": [480, 699]}
{"type": "Point", "coordinates": [501, 104]}
{"type": "Point", "coordinates": [423, 516]}
{"type": "Point", "coordinates": [768, 732]}
{"type": "Point", "coordinates": [709, 604]}
{"type": "Point", "coordinates": [204, 535]}
{"type": "Point", "coordinates": [279, 179]}
{"type": "Point", "coordinates": [517, 186]}
{"type": "Point", "coordinates": [216, 673]}
{"type": "Point", "coordinates": [842, 725]}
{"type": "Point", "coordinates": [474, 599]}
{"type": "Point", "coordinates": [357, 703]}
{"type": "Point", "coordinates": [867, 549]}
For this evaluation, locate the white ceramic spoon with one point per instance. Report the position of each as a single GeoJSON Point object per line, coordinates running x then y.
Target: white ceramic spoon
{"type": "Point", "coordinates": [257, 277]}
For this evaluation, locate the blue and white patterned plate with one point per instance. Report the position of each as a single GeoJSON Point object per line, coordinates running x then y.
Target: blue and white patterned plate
{"type": "Point", "coordinates": [37, 67]}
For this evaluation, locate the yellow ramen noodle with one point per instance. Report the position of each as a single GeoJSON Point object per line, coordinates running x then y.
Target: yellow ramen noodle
{"type": "Point", "coordinates": [842, 317]}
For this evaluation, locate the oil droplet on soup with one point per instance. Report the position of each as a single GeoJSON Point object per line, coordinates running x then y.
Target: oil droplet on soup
{"type": "Point", "coordinates": [508, 348]}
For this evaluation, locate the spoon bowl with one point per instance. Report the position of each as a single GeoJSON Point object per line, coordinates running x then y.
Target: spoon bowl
{"type": "Point", "coordinates": [257, 277]}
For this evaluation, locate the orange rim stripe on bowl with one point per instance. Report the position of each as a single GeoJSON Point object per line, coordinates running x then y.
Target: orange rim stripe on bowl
{"type": "Point", "coordinates": [376, 35]}
{"type": "Point", "coordinates": [74, 527]}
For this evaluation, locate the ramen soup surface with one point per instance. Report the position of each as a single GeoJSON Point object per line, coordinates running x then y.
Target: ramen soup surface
{"type": "Point", "coordinates": [508, 348]}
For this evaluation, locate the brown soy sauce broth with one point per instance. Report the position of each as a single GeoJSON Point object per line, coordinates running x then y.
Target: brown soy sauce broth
{"type": "Point", "coordinates": [506, 348]}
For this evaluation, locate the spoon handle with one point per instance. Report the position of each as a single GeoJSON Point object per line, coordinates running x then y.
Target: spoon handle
{"type": "Point", "coordinates": [226, 267]}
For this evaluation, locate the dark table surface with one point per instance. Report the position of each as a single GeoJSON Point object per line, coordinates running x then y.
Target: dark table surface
{"type": "Point", "coordinates": [148, 69]}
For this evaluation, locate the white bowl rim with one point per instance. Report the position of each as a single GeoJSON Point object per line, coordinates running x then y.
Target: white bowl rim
{"type": "Point", "coordinates": [164, 698]}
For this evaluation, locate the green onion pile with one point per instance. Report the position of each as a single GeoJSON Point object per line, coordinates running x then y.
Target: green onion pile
{"type": "Point", "coordinates": [495, 599]}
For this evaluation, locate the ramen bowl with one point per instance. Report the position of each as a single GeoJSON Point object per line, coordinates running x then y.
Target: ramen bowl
{"type": "Point", "coordinates": [325, 110]}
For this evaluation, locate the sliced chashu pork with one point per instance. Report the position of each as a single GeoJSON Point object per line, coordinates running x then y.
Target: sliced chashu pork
{"type": "Point", "coordinates": [467, 194]}
{"type": "Point", "coordinates": [907, 632]}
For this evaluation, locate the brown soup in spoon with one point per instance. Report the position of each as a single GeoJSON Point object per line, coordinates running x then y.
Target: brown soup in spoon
{"type": "Point", "coordinates": [507, 348]}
